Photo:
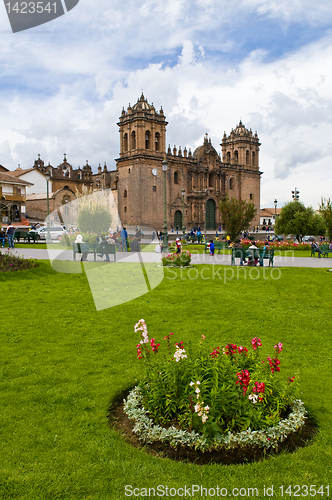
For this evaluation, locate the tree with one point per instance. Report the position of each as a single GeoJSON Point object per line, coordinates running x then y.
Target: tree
{"type": "Point", "coordinates": [325, 209]}
{"type": "Point", "coordinates": [95, 219]}
{"type": "Point", "coordinates": [236, 216]}
{"type": "Point", "coordinates": [299, 220]}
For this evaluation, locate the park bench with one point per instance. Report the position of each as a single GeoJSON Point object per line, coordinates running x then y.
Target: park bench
{"type": "Point", "coordinates": [94, 248]}
{"type": "Point", "coordinates": [18, 235]}
{"type": "Point", "coordinates": [251, 254]}
{"type": "Point", "coordinates": [218, 246]}
{"type": "Point", "coordinates": [323, 248]}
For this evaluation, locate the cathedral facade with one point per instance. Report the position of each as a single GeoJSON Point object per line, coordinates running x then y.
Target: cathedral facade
{"type": "Point", "coordinates": [195, 181]}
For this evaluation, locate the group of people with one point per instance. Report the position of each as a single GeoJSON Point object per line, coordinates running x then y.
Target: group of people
{"type": "Point", "coordinates": [8, 234]}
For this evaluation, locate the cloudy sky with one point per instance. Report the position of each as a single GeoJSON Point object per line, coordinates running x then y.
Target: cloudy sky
{"type": "Point", "coordinates": [207, 62]}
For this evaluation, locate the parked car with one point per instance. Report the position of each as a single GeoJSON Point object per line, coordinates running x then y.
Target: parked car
{"type": "Point", "coordinates": [56, 232]}
{"type": "Point", "coordinates": [308, 239]}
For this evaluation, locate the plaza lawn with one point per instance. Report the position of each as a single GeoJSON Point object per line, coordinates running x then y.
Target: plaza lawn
{"type": "Point", "coordinates": [62, 363]}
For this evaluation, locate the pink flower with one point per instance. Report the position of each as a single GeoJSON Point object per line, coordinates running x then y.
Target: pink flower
{"type": "Point", "coordinates": [242, 349]}
{"type": "Point", "coordinates": [256, 342]}
{"type": "Point", "coordinates": [278, 347]}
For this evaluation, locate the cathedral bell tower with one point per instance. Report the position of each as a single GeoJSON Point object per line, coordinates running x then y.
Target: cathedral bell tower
{"type": "Point", "coordinates": [140, 178]}
{"type": "Point", "coordinates": [142, 130]}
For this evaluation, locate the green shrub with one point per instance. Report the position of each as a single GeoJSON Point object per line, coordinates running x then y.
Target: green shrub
{"type": "Point", "coordinates": [182, 259]}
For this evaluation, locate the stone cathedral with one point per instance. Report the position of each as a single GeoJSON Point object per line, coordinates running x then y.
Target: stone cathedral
{"type": "Point", "coordinates": [206, 176]}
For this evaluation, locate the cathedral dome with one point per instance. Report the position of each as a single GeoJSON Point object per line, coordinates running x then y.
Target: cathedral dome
{"type": "Point", "coordinates": [241, 129]}
{"type": "Point", "coordinates": [142, 104]}
{"type": "Point", "coordinates": [206, 148]}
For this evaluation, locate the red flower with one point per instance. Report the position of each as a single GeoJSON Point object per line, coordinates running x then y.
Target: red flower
{"type": "Point", "coordinates": [244, 380]}
{"type": "Point", "coordinates": [230, 349]}
{"type": "Point", "coordinates": [259, 387]}
{"type": "Point", "coordinates": [215, 353]}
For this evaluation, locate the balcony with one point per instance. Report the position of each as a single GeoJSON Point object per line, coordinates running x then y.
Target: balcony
{"type": "Point", "coordinates": [12, 197]}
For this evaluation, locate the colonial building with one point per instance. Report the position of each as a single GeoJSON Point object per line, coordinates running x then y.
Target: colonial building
{"type": "Point", "coordinates": [204, 175]}
{"type": "Point", "coordinates": [12, 197]}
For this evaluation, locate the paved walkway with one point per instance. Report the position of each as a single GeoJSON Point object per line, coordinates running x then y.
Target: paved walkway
{"type": "Point", "coordinates": [224, 260]}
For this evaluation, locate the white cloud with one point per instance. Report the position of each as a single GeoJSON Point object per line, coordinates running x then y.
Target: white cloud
{"type": "Point", "coordinates": [63, 91]}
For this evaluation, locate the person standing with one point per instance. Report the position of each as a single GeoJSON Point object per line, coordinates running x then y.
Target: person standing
{"type": "Point", "coordinates": [10, 235]}
{"type": "Point", "coordinates": [124, 236]}
{"type": "Point", "coordinates": [2, 237]}
{"type": "Point", "coordinates": [211, 247]}
{"type": "Point", "coordinates": [178, 245]}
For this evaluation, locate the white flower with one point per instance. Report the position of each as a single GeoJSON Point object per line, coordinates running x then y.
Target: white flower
{"type": "Point", "coordinates": [204, 418]}
{"type": "Point", "coordinates": [198, 382]}
{"type": "Point", "coordinates": [191, 384]}
{"type": "Point", "coordinates": [179, 354]}
{"type": "Point", "coordinates": [197, 390]}
{"type": "Point", "coordinates": [197, 408]}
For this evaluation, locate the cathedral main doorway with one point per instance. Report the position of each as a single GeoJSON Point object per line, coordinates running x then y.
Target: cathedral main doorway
{"type": "Point", "coordinates": [178, 219]}
{"type": "Point", "coordinates": [210, 215]}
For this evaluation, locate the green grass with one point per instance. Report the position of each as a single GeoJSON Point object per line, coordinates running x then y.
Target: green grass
{"type": "Point", "coordinates": [62, 363]}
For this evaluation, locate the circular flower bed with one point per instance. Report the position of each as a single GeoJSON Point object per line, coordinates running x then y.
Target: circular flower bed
{"type": "Point", "coordinates": [10, 262]}
{"type": "Point", "coordinates": [148, 432]}
{"type": "Point", "coordinates": [210, 398]}
{"type": "Point", "coordinates": [182, 259]}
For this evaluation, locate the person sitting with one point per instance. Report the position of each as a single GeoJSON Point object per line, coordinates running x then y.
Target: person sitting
{"type": "Point", "coordinates": [79, 240]}
{"type": "Point", "coordinates": [253, 255]}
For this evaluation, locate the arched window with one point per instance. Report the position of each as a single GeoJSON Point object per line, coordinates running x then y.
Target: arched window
{"type": "Point", "coordinates": [247, 157]}
{"type": "Point", "coordinates": [253, 159]}
{"type": "Point", "coordinates": [211, 179]}
{"type": "Point", "coordinates": [236, 156]}
{"type": "Point", "coordinates": [228, 157]}
{"type": "Point", "coordinates": [133, 140]}
{"type": "Point", "coordinates": [157, 141]}
{"type": "Point", "coordinates": [176, 178]}
{"type": "Point", "coordinates": [147, 140]}
{"type": "Point", "coordinates": [125, 142]}
{"type": "Point", "coordinates": [125, 209]}
{"type": "Point", "coordinates": [231, 183]}
{"type": "Point", "coordinates": [125, 193]}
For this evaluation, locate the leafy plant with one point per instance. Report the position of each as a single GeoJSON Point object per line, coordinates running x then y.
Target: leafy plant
{"type": "Point", "coordinates": [325, 209]}
{"type": "Point", "coordinates": [299, 220]}
{"type": "Point", "coordinates": [212, 390]}
{"type": "Point", "coordinates": [182, 259]}
{"type": "Point", "coordinates": [10, 262]}
{"type": "Point", "coordinates": [236, 216]}
{"type": "Point", "coordinates": [94, 218]}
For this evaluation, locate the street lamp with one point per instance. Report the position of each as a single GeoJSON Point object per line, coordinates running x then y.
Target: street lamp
{"type": "Point", "coordinates": [275, 210]}
{"type": "Point", "coordinates": [164, 166]}
{"type": "Point", "coordinates": [48, 177]}
{"type": "Point", "coordinates": [183, 226]}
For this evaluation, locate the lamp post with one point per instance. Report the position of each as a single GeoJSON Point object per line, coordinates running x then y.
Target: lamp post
{"type": "Point", "coordinates": [48, 177]}
{"type": "Point", "coordinates": [164, 166]}
{"type": "Point", "coordinates": [183, 226]}
{"type": "Point", "coordinates": [275, 210]}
